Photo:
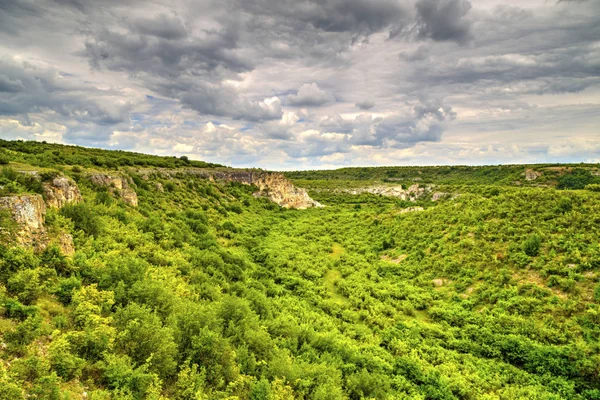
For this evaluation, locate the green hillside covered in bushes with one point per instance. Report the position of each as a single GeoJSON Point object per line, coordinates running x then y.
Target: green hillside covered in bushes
{"type": "Point", "coordinates": [201, 289]}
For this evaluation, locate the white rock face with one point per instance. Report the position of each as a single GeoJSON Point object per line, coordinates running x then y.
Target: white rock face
{"type": "Point", "coordinates": [531, 175]}
{"type": "Point", "coordinates": [281, 191]}
{"type": "Point", "coordinates": [413, 193]}
{"type": "Point", "coordinates": [118, 183]}
{"type": "Point", "coordinates": [61, 191]}
{"type": "Point", "coordinates": [28, 212]}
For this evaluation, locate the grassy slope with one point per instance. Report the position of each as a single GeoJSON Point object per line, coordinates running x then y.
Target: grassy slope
{"type": "Point", "coordinates": [206, 291]}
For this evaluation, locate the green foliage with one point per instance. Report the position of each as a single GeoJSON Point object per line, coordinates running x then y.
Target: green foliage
{"type": "Point", "coordinates": [576, 179]}
{"type": "Point", "coordinates": [205, 291]}
{"type": "Point", "coordinates": [531, 246]}
{"type": "Point", "coordinates": [84, 218]}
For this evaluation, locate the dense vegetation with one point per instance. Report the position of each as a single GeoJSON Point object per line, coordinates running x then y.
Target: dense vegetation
{"type": "Point", "coordinates": [206, 292]}
{"type": "Point", "coordinates": [42, 154]}
{"type": "Point", "coordinates": [565, 176]}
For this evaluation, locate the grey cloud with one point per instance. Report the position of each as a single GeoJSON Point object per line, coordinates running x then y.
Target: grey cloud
{"type": "Point", "coordinates": [426, 124]}
{"type": "Point", "coordinates": [420, 54]}
{"type": "Point", "coordinates": [365, 105]}
{"type": "Point", "coordinates": [443, 20]}
{"type": "Point", "coordinates": [163, 26]}
{"type": "Point", "coordinates": [310, 95]}
{"type": "Point", "coordinates": [26, 88]}
{"type": "Point", "coordinates": [336, 124]}
{"type": "Point", "coordinates": [222, 101]}
{"type": "Point", "coordinates": [355, 16]}
{"type": "Point", "coordinates": [134, 53]}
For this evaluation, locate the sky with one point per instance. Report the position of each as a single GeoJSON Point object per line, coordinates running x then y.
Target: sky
{"type": "Point", "coordinates": [307, 84]}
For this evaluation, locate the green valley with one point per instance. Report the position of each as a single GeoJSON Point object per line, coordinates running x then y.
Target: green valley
{"type": "Point", "coordinates": [129, 276]}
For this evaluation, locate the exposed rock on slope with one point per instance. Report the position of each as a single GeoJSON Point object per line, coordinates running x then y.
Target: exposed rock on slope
{"type": "Point", "coordinates": [531, 175]}
{"type": "Point", "coordinates": [273, 185]}
{"type": "Point", "coordinates": [118, 183]}
{"type": "Point", "coordinates": [61, 191]}
{"type": "Point", "coordinates": [29, 212]}
{"type": "Point", "coordinates": [413, 193]}
{"type": "Point", "coordinates": [280, 190]}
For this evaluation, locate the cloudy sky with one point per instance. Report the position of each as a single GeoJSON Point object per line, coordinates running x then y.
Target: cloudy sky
{"type": "Point", "coordinates": [303, 84]}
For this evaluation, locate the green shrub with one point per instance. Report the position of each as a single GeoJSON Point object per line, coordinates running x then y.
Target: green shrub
{"type": "Point", "coordinates": [577, 179]}
{"type": "Point", "coordinates": [66, 364]}
{"type": "Point", "coordinates": [84, 218]}
{"type": "Point", "coordinates": [565, 204]}
{"type": "Point", "coordinates": [531, 246]}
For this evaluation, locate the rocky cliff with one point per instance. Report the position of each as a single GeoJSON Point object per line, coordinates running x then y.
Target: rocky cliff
{"type": "Point", "coordinates": [61, 191]}
{"type": "Point", "coordinates": [28, 212]}
{"type": "Point", "coordinates": [116, 183]}
{"type": "Point", "coordinates": [272, 185]}
{"type": "Point", "coordinates": [413, 193]}
{"type": "Point", "coordinates": [280, 190]}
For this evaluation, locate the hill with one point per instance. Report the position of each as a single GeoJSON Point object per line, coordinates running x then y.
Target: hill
{"type": "Point", "coordinates": [127, 276]}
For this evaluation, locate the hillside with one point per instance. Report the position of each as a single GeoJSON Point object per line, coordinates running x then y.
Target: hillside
{"type": "Point", "coordinates": [128, 276]}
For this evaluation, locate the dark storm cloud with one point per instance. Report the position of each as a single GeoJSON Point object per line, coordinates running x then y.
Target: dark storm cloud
{"type": "Point", "coordinates": [359, 17]}
{"type": "Point", "coordinates": [27, 88]}
{"type": "Point", "coordinates": [164, 26]}
{"type": "Point", "coordinates": [443, 20]}
{"type": "Point", "coordinates": [147, 50]}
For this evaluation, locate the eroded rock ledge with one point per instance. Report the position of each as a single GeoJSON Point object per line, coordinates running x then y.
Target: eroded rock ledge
{"type": "Point", "coordinates": [117, 183]}
{"type": "Point", "coordinates": [28, 213]}
{"type": "Point", "coordinates": [61, 191]}
{"type": "Point", "coordinates": [413, 193]}
{"type": "Point", "coordinates": [272, 185]}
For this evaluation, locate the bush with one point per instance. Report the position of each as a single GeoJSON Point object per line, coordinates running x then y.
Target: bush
{"type": "Point", "coordinates": [531, 247]}
{"type": "Point", "coordinates": [84, 218]}
{"type": "Point", "coordinates": [593, 187]}
{"type": "Point", "coordinates": [565, 205]}
{"type": "Point", "coordinates": [578, 179]}
{"type": "Point", "coordinates": [66, 365]}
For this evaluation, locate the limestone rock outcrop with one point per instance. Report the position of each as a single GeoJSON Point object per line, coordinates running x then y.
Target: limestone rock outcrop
{"type": "Point", "coordinates": [28, 212]}
{"type": "Point", "coordinates": [116, 183]}
{"type": "Point", "coordinates": [61, 191]}
{"type": "Point", "coordinates": [413, 193]}
{"type": "Point", "coordinates": [280, 190]}
{"type": "Point", "coordinates": [531, 175]}
{"type": "Point", "coordinates": [272, 185]}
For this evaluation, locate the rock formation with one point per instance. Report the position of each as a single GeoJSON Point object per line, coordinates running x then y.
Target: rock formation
{"type": "Point", "coordinates": [280, 190]}
{"type": "Point", "coordinates": [61, 191]}
{"type": "Point", "coordinates": [118, 184]}
{"type": "Point", "coordinates": [28, 212]}
{"type": "Point", "coordinates": [531, 175]}
{"type": "Point", "coordinates": [273, 185]}
{"type": "Point", "coordinates": [413, 193]}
